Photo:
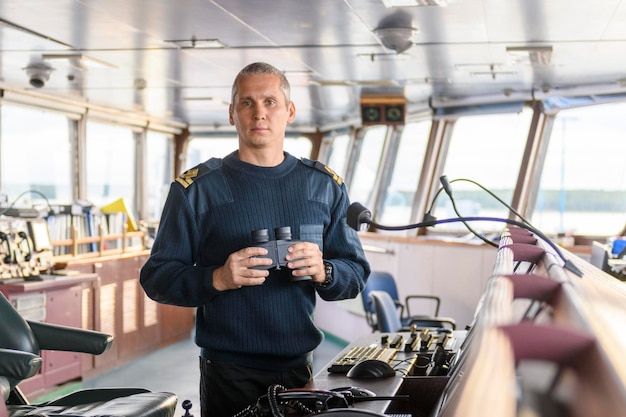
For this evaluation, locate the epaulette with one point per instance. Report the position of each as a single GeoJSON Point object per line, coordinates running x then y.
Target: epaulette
{"type": "Point", "coordinates": [324, 168]}
{"type": "Point", "coordinates": [188, 177]}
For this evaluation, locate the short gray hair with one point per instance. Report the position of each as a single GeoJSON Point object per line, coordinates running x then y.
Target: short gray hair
{"type": "Point", "coordinates": [262, 68]}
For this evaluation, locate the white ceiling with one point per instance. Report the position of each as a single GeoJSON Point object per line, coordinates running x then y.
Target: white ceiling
{"type": "Point", "coordinates": [328, 48]}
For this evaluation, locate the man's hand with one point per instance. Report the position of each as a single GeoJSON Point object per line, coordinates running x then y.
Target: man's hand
{"type": "Point", "coordinates": [237, 272]}
{"type": "Point", "coordinates": [305, 258]}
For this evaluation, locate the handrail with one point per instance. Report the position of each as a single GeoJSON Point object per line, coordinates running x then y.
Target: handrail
{"type": "Point", "coordinates": [101, 239]}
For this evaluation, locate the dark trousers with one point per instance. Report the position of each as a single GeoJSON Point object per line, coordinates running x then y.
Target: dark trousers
{"type": "Point", "coordinates": [226, 389]}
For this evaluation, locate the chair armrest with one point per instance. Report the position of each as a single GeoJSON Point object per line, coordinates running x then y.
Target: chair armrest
{"type": "Point", "coordinates": [430, 321]}
{"type": "Point", "coordinates": [434, 298]}
{"type": "Point", "coordinates": [70, 339]}
{"type": "Point", "coordinates": [86, 396]}
{"type": "Point", "coordinates": [18, 365]}
{"type": "Point", "coordinates": [400, 307]}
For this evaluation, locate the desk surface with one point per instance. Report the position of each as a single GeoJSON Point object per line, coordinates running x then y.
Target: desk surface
{"type": "Point", "coordinates": [19, 285]}
{"type": "Point", "coordinates": [382, 387]}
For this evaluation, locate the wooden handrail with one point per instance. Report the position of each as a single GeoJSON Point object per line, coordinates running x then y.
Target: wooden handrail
{"type": "Point", "coordinates": [101, 239]}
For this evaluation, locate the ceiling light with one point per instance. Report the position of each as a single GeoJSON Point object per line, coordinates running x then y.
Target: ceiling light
{"type": "Point", "coordinates": [477, 67]}
{"type": "Point", "coordinates": [427, 80]}
{"type": "Point", "coordinates": [384, 56]}
{"type": "Point", "coordinates": [349, 83]}
{"type": "Point", "coordinates": [492, 74]}
{"type": "Point", "coordinates": [530, 55]}
{"type": "Point", "coordinates": [413, 3]}
{"type": "Point", "coordinates": [298, 72]}
{"type": "Point", "coordinates": [210, 101]}
{"type": "Point", "coordinates": [79, 59]}
{"type": "Point", "coordinates": [197, 43]}
{"type": "Point", "coordinates": [377, 83]}
{"type": "Point", "coordinates": [331, 83]}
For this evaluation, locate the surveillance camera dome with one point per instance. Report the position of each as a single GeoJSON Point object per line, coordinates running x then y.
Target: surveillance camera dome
{"type": "Point", "coordinates": [38, 73]}
{"type": "Point", "coordinates": [396, 31]}
{"type": "Point", "coordinates": [37, 82]}
{"type": "Point", "coordinates": [397, 39]}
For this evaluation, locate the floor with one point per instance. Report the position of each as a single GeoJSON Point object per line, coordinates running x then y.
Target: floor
{"type": "Point", "coordinates": [175, 369]}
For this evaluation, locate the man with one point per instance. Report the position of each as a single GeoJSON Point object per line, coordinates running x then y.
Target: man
{"type": "Point", "coordinates": [254, 324]}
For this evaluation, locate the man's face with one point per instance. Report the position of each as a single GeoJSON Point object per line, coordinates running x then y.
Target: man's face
{"type": "Point", "coordinates": [260, 112]}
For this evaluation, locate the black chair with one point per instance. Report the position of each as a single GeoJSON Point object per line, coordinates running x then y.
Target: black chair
{"type": "Point", "coordinates": [384, 281]}
{"type": "Point", "coordinates": [388, 320]}
{"type": "Point", "coordinates": [16, 365]}
{"type": "Point", "coordinates": [20, 344]}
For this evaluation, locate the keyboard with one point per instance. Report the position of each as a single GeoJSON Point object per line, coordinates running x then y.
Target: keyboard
{"type": "Point", "coordinates": [360, 353]}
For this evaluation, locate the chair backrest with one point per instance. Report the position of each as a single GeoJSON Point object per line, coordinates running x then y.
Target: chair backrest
{"type": "Point", "coordinates": [378, 281]}
{"type": "Point", "coordinates": [599, 256]}
{"type": "Point", "coordinates": [387, 316]}
{"type": "Point", "coordinates": [20, 343]}
{"type": "Point", "coordinates": [15, 333]}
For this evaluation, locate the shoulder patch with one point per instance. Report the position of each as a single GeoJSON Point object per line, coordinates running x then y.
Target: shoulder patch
{"type": "Point", "coordinates": [324, 168]}
{"type": "Point", "coordinates": [188, 177]}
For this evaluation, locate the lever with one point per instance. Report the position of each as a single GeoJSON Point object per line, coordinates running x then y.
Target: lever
{"type": "Point", "coordinates": [187, 406]}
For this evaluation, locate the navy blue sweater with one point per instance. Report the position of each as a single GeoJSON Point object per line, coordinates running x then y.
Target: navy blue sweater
{"type": "Point", "coordinates": [210, 213]}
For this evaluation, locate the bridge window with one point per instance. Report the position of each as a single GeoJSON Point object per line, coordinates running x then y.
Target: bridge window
{"type": "Point", "coordinates": [367, 164]}
{"type": "Point", "coordinates": [338, 158]}
{"type": "Point", "coordinates": [583, 182]}
{"type": "Point", "coordinates": [485, 150]}
{"type": "Point", "coordinates": [409, 158]}
{"type": "Point", "coordinates": [110, 164]}
{"type": "Point", "coordinates": [201, 149]}
{"type": "Point", "coordinates": [160, 172]}
{"type": "Point", "coordinates": [46, 170]}
{"type": "Point", "coordinates": [300, 146]}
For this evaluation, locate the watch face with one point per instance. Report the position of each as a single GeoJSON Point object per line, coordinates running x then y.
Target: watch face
{"type": "Point", "coordinates": [328, 270]}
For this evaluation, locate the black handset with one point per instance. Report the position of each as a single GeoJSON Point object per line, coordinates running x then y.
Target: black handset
{"type": "Point", "coordinates": [25, 239]}
{"type": "Point", "coordinates": [9, 255]}
{"type": "Point", "coordinates": [303, 399]}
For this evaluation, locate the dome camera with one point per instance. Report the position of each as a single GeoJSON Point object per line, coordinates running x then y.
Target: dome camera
{"type": "Point", "coordinates": [396, 31]}
{"type": "Point", "coordinates": [38, 73]}
{"type": "Point", "coordinates": [397, 39]}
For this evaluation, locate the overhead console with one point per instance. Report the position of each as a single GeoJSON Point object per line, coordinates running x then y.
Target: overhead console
{"type": "Point", "coordinates": [383, 109]}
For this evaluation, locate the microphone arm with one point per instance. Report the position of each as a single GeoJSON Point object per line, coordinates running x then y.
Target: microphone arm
{"type": "Point", "coordinates": [358, 214]}
{"type": "Point", "coordinates": [448, 190]}
{"type": "Point", "coordinates": [429, 216]}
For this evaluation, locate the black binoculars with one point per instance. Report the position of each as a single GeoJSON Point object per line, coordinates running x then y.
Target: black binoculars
{"type": "Point", "coordinates": [276, 249]}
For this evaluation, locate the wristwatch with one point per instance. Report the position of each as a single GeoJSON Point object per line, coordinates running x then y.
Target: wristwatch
{"type": "Point", "coordinates": [328, 269]}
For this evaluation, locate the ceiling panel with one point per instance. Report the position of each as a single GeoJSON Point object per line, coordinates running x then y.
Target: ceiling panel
{"type": "Point", "coordinates": [328, 48]}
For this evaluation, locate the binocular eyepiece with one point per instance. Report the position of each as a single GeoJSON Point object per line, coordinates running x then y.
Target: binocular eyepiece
{"type": "Point", "coordinates": [263, 236]}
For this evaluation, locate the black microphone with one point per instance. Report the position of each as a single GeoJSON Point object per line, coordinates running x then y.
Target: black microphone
{"type": "Point", "coordinates": [357, 215]}
{"type": "Point", "coordinates": [360, 215]}
{"type": "Point", "coordinates": [446, 186]}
